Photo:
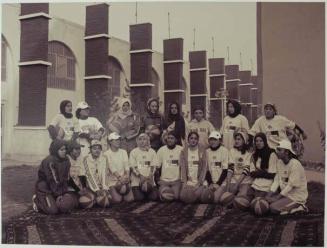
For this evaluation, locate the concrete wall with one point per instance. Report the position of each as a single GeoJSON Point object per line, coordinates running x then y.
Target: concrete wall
{"type": "Point", "coordinates": [30, 144]}
{"type": "Point", "coordinates": [293, 64]}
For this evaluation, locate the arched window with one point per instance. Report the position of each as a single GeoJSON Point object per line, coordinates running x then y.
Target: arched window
{"type": "Point", "coordinates": [155, 80]}
{"type": "Point", "coordinates": [115, 70]}
{"type": "Point", "coordinates": [61, 74]}
{"type": "Point", "coordinates": [3, 59]}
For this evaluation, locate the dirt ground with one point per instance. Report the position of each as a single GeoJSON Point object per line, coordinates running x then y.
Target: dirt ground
{"type": "Point", "coordinates": [17, 184]}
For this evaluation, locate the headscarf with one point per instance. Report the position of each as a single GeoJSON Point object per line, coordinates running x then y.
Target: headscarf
{"type": "Point", "coordinates": [148, 144]}
{"type": "Point", "coordinates": [62, 109]}
{"type": "Point", "coordinates": [237, 108]}
{"type": "Point", "coordinates": [174, 117]}
{"type": "Point", "coordinates": [55, 146]}
{"type": "Point", "coordinates": [148, 107]}
{"type": "Point", "coordinates": [121, 113]}
{"type": "Point", "coordinates": [263, 153]}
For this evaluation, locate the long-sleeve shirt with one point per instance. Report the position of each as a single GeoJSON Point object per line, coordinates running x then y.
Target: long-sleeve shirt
{"type": "Point", "coordinates": [292, 181]}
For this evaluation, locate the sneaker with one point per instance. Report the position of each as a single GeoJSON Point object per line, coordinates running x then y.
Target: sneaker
{"type": "Point", "coordinates": [301, 208]}
{"type": "Point", "coordinates": [34, 205]}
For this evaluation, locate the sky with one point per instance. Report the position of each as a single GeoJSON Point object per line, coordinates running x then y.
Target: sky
{"type": "Point", "coordinates": [231, 25]}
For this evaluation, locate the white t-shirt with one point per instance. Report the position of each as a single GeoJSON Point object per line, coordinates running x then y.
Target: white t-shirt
{"type": "Point", "coordinates": [217, 162]}
{"type": "Point", "coordinates": [118, 162]}
{"type": "Point", "coordinates": [96, 171]}
{"type": "Point", "coordinates": [292, 181]}
{"type": "Point", "coordinates": [203, 128]}
{"type": "Point", "coordinates": [69, 125]}
{"type": "Point", "coordinates": [169, 163]}
{"type": "Point", "coordinates": [193, 165]}
{"type": "Point", "coordinates": [228, 127]}
{"type": "Point", "coordinates": [264, 184]}
{"type": "Point", "coordinates": [90, 125]}
{"type": "Point", "coordinates": [275, 128]}
{"type": "Point", "coordinates": [241, 162]}
{"type": "Point", "coordinates": [143, 161]}
{"type": "Point", "coordinates": [75, 170]}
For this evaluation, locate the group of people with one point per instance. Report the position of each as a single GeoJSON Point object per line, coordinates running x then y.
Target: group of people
{"type": "Point", "coordinates": [160, 158]}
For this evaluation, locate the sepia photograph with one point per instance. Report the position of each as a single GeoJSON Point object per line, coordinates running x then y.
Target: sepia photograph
{"type": "Point", "coordinates": [167, 123]}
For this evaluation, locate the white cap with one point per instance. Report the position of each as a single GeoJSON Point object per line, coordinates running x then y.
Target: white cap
{"type": "Point", "coordinates": [215, 135]}
{"type": "Point", "coordinates": [286, 144]}
{"type": "Point", "coordinates": [82, 105]}
{"type": "Point", "coordinates": [113, 136]}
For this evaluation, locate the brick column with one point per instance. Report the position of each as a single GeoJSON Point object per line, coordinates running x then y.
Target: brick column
{"type": "Point", "coordinates": [232, 81]}
{"type": "Point", "coordinates": [245, 93]}
{"type": "Point", "coordinates": [198, 78]}
{"type": "Point", "coordinates": [141, 65]}
{"type": "Point", "coordinates": [34, 21]}
{"type": "Point", "coordinates": [255, 107]}
{"type": "Point", "coordinates": [96, 60]}
{"type": "Point", "coordinates": [217, 84]}
{"type": "Point", "coordinates": [173, 71]}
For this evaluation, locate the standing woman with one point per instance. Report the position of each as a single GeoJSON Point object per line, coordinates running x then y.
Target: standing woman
{"type": "Point", "coordinates": [274, 126]}
{"type": "Point", "coordinates": [63, 125]}
{"type": "Point", "coordinates": [263, 166]}
{"type": "Point", "coordinates": [153, 123]}
{"type": "Point", "coordinates": [193, 169]}
{"type": "Point", "coordinates": [52, 196]}
{"type": "Point", "coordinates": [232, 121]}
{"type": "Point", "coordinates": [201, 126]}
{"type": "Point", "coordinates": [89, 128]}
{"type": "Point", "coordinates": [175, 123]}
{"type": "Point", "coordinates": [126, 124]}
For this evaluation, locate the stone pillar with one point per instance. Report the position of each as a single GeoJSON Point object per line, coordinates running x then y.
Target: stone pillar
{"type": "Point", "coordinates": [245, 93]}
{"type": "Point", "coordinates": [217, 88]}
{"type": "Point", "coordinates": [96, 60]}
{"type": "Point", "coordinates": [255, 107]}
{"type": "Point", "coordinates": [198, 78]}
{"type": "Point", "coordinates": [232, 81]}
{"type": "Point", "coordinates": [173, 72]}
{"type": "Point", "coordinates": [33, 65]}
{"type": "Point", "coordinates": [141, 65]}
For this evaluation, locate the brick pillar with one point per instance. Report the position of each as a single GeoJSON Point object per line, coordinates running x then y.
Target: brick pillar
{"type": "Point", "coordinates": [198, 78]}
{"type": "Point", "coordinates": [255, 107]}
{"type": "Point", "coordinates": [217, 85]}
{"type": "Point", "coordinates": [173, 71]}
{"type": "Point", "coordinates": [96, 60]}
{"type": "Point", "coordinates": [232, 81]}
{"type": "Point", "coordinates": [245, 93]}
{"type": "Point", "coordinates": [34, 22]}
{"type": "Point", "coordinates": [141, 65]}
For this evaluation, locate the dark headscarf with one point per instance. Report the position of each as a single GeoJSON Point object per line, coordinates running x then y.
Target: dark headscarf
{"type": "Point", "coordinates": [175, 117]}
{"type": "Point", "coordinates": [55, 146]}
{"type": "Point", "coordinates": [62, 109]}
{"type": "Point", "coordinates": [263, 153]}
{"type": "Point", "coordinates": [237, 108]}
{"type": "Point", "coordinates": [148, 107]}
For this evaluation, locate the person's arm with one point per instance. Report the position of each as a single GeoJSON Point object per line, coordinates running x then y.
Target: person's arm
{"type": "Point", "coordinates": [203, 168]}
{"type": "Point", "coordinates": [255, 128]}
{"type": "Point", "coordinates": [183, 167]}
{"type": "Point", "coordinates": [222, 177]}
{"type": "Point", "coordinates": [134, 132]}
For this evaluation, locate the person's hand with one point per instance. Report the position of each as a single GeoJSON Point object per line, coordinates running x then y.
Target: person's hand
{"type": "Point", "coordinates": [213, 186]}
{"type": "Point", "coordinates": [83, 191]}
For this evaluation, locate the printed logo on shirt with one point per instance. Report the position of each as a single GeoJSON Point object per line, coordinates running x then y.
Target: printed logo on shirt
{"type": "Point", "coordinates": [240, 160]}
{"type": "Point", "coordinates": [232, 128]}
{"type": "Point", "coordinates": [269, 127]}
{"type": "Point", "coordinates": [171, 156]}
{"type": "Point", "coordinates": [195, 162]}
{"type": "Point", "coordinates": [217, 164]}
{"type": "Point", "coordinates": [274, 133]}
{"type": "Point", "coordinates": [203, 130]}
{"type": "Point", "coordinates": [285, 179]}
{"type": "Point", "coordinates": [144, 157]}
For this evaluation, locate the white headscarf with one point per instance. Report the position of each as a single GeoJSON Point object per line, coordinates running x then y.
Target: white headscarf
{"type": "Point", "coordinates": [121, 113]}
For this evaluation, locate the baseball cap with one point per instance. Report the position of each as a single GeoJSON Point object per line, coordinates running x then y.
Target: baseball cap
{"type": "Point", "coordinates": [286, 144]}
{"type": "Point", "coordinates": [113, 136]}
{"type": "Point", "coordinates": [215, 135]}
{"type": "Point", "coordinates": [243, 133]}
{"type": "Point", "coordinates": [82, 105]}
{"type": "Point", "coordinates": [95, 142]}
